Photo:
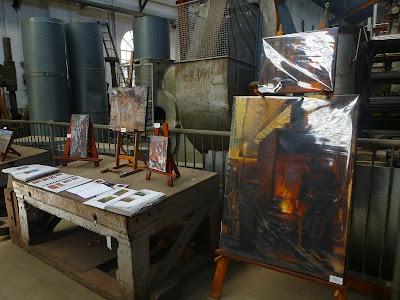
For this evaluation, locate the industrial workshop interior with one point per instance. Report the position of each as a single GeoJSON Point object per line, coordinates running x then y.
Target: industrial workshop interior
{"type": "Point", "coordinates": [200, 149]}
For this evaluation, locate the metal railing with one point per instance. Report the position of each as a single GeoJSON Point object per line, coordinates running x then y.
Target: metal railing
{"type": "Point", "coordinates": [208, 150]}
{"type": "Point", "coordinates": [200, 149]}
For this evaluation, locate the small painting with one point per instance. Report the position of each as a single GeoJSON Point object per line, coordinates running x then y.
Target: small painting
{"type": "Point", "coordinates": [299, 62]}
{"type": "Point", "coordinates": [5, 139]}
{"type": "Point", "coordinates": [158, 153]}
{"type": "Point", "coordinates": [128, 108]}
{"type": "Point", "coordinates": [79, 135]}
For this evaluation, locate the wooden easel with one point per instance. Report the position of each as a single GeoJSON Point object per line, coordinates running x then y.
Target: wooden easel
{"type": "Point", "coordinates": [132, 160]}
{"type": "Point", "coordinates": [171, 166]}
{"type": "Point", "coordinates": [9, 150]}
{"type": "Point", "coordinates": [340, 291]}
{"type": "Point", "coordinates": [92, 151]}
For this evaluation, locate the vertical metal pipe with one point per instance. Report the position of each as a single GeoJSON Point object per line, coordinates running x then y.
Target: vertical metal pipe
{"type": "Point", "coordinates": [395, 284]}
{"type": "Point", "coordinates": [202, 151]}
{"type": "Point", "coordinates": [52, 143]}
{"type": "Point", "coordinates": [194, 152]}
{"type": "Point", "coordinates": [184, 146]}
{"type": "Point", "coordinates": [5, 17]}
{"type": "Point", "coordinates": [390, 187]}
{"type": "Point", "coordinates": [368, 210]}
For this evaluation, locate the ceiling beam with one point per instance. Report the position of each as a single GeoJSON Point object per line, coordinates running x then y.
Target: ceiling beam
{"type": "Point", "coordinates": [354, 11]}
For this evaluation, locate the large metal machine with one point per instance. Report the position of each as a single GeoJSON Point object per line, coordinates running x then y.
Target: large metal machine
{"type": "Point", "coordinates": [8, 77]}
{"type": "Point", "coordinates": [217, 58]}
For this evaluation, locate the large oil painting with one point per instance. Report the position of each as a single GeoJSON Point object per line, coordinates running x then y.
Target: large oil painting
{"type": "Point", "coordinates": [299, 62]}
{"type": "Point", "coordinates": [79, 135]}
{"type": "Point", "coordinates": [128, 108]}
{"type": "Point", "coordinates": [289, 179]}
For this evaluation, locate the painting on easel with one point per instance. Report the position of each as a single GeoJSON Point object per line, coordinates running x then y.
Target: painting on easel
{"type": "Point", "coordinates": [289, 181]}
{"type": "Point", "coordinates": [128, 108]}
{"type": "Point", "coordinates": [128, 114]}
{"type": "Point", "coordinates": [5, 139]}
{"type": "Point", "coordinates": [299, 62]}
{"type": "Point", "coordinates": [158, 153]}
{"type": "Point", "coordinates": [80, 144]}
{"type": "Point", "coordinates": [79, 135]}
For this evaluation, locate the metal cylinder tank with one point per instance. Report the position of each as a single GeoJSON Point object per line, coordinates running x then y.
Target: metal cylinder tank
{"type": "Point", "coordinates": [151, 37]}
{"type": "Point", "coordinates": [45, 69]}
{"type": "Point", "coordinates": [87, 70]}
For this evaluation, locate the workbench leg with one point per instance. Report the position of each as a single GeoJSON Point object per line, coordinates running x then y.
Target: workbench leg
{"type": "Point", "coordinates": [214, 218]}
{"type": "Point", "coordinates": [134, 268]}
{"type": "Point", "coordinates": [219, 277]}
{"type": "Point", "coordinates": [24, 222]}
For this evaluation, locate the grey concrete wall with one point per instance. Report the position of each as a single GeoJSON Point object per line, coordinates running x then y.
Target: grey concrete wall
{"type": "Point", "coordinates": [300, 10]}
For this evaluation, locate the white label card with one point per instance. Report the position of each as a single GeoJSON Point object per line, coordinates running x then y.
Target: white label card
{"type": "Point", "coordinates": [157, 125]}
{"type": "Point", "coordinates": [108, 238]}
{"type": "Point", "coordinates": [123, 129]}
{"type": "Point", "coordinates": [68, 135]}
{"type": "Point", "coordinates": [335, 279]}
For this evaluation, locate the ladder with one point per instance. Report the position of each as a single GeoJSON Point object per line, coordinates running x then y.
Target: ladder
{"type": "Point", "coordinates": [111, 52]}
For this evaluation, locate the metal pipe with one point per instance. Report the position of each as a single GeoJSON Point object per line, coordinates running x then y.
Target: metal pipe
{"type": "Point", "coordinates": [5, 17]}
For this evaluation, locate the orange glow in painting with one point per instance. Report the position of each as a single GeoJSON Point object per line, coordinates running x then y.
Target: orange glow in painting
{"type": "Point", "coordinates": [286, 206]}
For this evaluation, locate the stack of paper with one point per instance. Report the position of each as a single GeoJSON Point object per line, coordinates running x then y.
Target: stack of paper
{"type": "Point", "coordinates": [126, 201]}
{"type": "Point", "coordinates": [89, 190]}
{"type": "Point", "coordinates": [30, 172]}
{"type": "Point", "coordinates": [59, 182]}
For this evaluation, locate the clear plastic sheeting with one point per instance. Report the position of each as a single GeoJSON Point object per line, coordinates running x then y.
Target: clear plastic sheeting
{"type": "Point", "coordinates": [289, 178]}
{"type": "Point", "coordinates": [299, 62]}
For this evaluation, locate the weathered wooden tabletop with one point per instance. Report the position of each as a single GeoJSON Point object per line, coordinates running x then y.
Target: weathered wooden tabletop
{"type": "Point", "coordinates": [194, 187]}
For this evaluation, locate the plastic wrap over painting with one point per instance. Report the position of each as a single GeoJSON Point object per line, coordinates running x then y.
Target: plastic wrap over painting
{"type": "Point", "coordinates": [289, 177]}
{"type": "Point", "coordinates": [128, 108]}
{"type": "Point", "coordinates": [299, 62]}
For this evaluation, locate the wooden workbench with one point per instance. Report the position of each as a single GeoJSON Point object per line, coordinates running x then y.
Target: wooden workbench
{"type": "Point", "coordinates": [195, 194]}
{"type": "Point", "coordinates": [28, 156]}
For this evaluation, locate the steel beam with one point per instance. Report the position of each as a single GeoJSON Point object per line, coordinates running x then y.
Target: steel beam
{"type": "Point", "coordinates": [354, 11]}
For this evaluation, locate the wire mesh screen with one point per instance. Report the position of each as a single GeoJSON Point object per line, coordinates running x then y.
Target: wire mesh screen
{"type": "Point", "coordinates": [218, 28]}
{"type": "Point", "coordinates": [143, 75]}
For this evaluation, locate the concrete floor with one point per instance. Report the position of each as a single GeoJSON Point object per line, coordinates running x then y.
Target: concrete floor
{"type": "Point", "coordinates": [22, 276]}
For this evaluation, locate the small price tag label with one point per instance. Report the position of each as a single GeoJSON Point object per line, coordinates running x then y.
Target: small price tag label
{"type": "Point", "coordinates": [108, 239]}
{"type": "Point", "coordinates": [123, 129]}
{"type": "Point", "coordinates": [335, 279]}
{"type": "Point", "coordinates": [157, 125]}
{"type": "Point", "coordinates": [68, 135]}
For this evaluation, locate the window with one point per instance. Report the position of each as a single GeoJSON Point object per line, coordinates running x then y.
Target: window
{"type": "Point", "coordinates": [126, 47]}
